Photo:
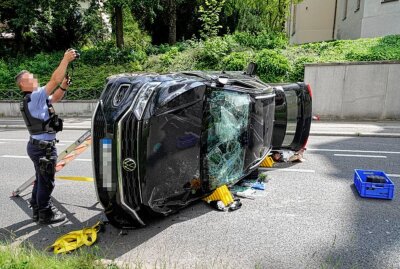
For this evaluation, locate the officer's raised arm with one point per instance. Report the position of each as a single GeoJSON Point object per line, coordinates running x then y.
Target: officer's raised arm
{"type": "Point", "coordinates": [59, 74]}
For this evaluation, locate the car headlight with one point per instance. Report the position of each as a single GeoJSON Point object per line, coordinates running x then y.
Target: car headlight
{"type": "Point", "coordinates": [144, 96]}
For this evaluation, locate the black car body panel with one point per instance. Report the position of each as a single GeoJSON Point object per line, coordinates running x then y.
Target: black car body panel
{"type": "Point", "coordinates": [163, 141]}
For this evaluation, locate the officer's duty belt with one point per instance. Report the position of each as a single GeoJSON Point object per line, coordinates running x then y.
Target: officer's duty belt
{"type": "Point", "coordinates": [43, 143]}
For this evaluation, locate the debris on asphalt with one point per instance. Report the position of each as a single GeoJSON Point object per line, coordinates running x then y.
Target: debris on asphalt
{"type": "Point", "coordinates": [235, 205]}
{"type": "Point", "coordinates": [288, 156]}
{"type": "Point", "coordinates": [248, 194]}
{"type": "Point", "coordinates": [218, 205]}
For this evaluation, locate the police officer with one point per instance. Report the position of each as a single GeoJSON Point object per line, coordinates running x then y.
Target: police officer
{"type": "Point", "coordinates": [43, 124]}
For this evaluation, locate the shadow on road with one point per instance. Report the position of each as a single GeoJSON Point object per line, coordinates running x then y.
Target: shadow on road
{"type": "Point", "coordinates": [113, 242]}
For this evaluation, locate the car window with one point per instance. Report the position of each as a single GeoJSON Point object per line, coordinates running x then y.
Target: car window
{"type": "Point", "coordinates": [226, 127]}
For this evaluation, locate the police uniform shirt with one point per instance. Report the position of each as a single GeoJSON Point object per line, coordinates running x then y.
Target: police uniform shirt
{"type": "Point", "coordinates": [39, 109]}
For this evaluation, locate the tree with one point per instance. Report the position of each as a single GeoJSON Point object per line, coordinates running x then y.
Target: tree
{"type": "Point", "coordinates": [116, 7]}
{"type": "Point", "coordinates": [43, 24]}
{"type": "Point", "coordinates": [59, 25]}
{"type": "Point", "coordinates": [19, 16]}
{"type": "Point", "coordinates": [209, 16]}
{"type": "Point", "coordinates": [167, 20]}
{"type": "Point", "coordinates": [95, 22]}
{"type": "Point", "coordinates": [259, 15]}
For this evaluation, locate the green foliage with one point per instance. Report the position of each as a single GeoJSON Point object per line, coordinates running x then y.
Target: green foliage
{"type": "Point", "coordinates": [108, 53]}
{"type": "Point", "coordinates": [134, 37]}
{"type": "Point", "coordinates": [58, 25]}
{"type": "Point", "coordinates": [209, 17]}
{"type": "Point", "coordinates": [237, 61]}
{"type": "Point", "coordinates": [5, 75]}
{"type": "Point", "coordinates": [93, 77]}
{"type": "Point", "coordinates": [272, 66]}
{"type": "Point", "coordinates": [93, 24]}
{"type": "Point", "coordinates": [230, 52]}
{"type": "Point", "coordinates": [386, 48]}
{"type": "Point", "coordinates": [297, 73]}
{"type": "Point", "coordinates": [258, 15]}
{"type": "Point", "coordinates": [213, 50]}
{"type": "Point", "coordinates": [262, 40]}
{"type": "Point", "coordinates": [164, 48]}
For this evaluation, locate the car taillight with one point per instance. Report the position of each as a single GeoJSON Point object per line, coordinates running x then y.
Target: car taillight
{"type": "Point", "coordinates": [309, 90]}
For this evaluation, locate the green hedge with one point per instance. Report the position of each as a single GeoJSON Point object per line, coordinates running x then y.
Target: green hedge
{"type": "Point", "coordinates": [277, 62]}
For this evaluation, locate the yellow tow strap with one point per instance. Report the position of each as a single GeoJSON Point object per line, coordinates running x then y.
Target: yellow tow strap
{"type": "Point", "coordinates": [76, 239]}
{"type": "Point", "coordinates": [76, 178]}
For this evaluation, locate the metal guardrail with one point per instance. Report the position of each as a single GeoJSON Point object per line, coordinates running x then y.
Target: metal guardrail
{"type": "Point", "coordinates": [75, 94]}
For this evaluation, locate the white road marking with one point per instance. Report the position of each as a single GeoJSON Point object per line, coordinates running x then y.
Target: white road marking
{"type": "Point", "coordinates": [393, 175]}
{"type": "Point", "coordinates": [355, 151]}
{"type": "Point", "coordinates": [14, 156]}
{"type": "Point", "coordinates": [27, 157]}
{"type": "Point", "coordinates": [11, 139]}
{"type": "Point", "coordinates": [287, 170]}
{"type": "Point", "coordinates": [84, 160]}
{"type": "Point", "coordinates": [360, 156]}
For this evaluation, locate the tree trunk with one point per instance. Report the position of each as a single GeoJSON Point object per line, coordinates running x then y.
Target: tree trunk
{"type": "Point", "coordinates": [19, 41]}
{"type": "Point", "coordinates": [119, 27]}
{"type": "Point", "coordinates": [171, 22]}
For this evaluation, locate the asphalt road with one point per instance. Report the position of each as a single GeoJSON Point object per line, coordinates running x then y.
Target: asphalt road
{"type": "Point", "coordinates": [310, 215]}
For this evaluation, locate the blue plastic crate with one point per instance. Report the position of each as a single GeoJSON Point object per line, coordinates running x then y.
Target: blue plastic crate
{"type": "Point", "coordinates": [370, 189]}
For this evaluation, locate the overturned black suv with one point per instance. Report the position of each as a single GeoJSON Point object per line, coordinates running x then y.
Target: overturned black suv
{"type": "Point", "coordinates": [162, 141]}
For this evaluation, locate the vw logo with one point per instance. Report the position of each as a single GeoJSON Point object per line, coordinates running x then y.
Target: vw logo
{"type": "Point", "coordinates": [129, 165]}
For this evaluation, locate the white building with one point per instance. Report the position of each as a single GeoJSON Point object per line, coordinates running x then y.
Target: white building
{"type": "Point", "coordinates": [319, 20]}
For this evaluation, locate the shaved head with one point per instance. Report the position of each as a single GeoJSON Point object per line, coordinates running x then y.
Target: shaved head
{"type": "Point", "coordinates": [18, 77]}
{"type": "Point", "coordinates": [26, 81]}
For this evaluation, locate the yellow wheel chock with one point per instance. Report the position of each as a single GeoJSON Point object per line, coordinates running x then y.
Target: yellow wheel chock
{"type": "Point", "coordinates": [267, 162]}
{"type": "Point", "coordinates": [220, 194]}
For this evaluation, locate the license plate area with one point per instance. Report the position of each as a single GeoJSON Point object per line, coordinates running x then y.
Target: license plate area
{"type": "Point", "coordinates": [106, 163]}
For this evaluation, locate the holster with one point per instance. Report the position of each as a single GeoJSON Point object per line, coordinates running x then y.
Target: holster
{"type": "Point", "coordinates": [48, 166]}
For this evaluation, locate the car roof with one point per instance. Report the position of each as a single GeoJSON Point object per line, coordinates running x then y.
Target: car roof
{"type": "Point", "coordinates": [233, 80]}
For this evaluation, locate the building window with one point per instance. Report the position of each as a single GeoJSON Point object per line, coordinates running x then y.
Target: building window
{"type": "Point", "coordinates": [358, 5]}
{"type": "Point", "coordinates": [346, 2]}
{"type": "Point", "coordinates": [385, 1]}
{"type": "Point", "coordinates": [294, 20]}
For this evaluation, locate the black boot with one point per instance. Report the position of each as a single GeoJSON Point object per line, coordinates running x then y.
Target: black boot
{"type": "Point", "coordinates": [51, 215]}
{"type": "Point", "coordinates": [35, 213]}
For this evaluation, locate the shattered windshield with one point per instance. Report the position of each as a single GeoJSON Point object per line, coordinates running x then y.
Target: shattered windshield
{"type": "Point", "coordinates": [227, 123]}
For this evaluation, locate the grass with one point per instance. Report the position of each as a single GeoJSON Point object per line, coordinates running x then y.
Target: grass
{"type": "Point", "coordinates": [28, 257]}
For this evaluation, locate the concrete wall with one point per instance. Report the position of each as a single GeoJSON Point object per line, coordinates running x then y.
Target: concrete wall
{"type": "Point", "coordinates": [355, 90]}
{"type": "Point", "coordinates": [381, 19]}
{"type": "Point", "coordinates": [313, 21]}
{"type": "Point", "coordinates": [70, 108]}
{"type": "Point", "coordinates": [349, 19]}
